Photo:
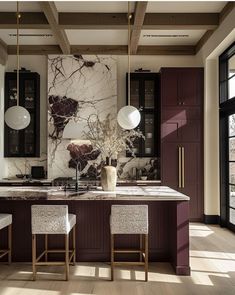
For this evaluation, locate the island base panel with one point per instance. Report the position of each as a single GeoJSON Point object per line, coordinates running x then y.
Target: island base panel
{"type": "Point", "coordinates": [168, 231]}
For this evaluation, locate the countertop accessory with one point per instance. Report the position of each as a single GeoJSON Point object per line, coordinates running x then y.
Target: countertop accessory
{"type": "Point", "coordinates": [130, 219]}
{"type": "Point", "coordinates": [129, 116]}
{"type": "Point", "coordinates": [37, 172]}
{"type": "Point", "coordinates": [17, 117]}
{"type": "Point", "coordinates": [50, 220]}
{"type": "Point", "coordinates": [6, 221]}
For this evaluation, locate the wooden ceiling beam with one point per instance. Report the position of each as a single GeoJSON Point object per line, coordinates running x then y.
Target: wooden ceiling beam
{"type": "Point", "coordinates": [102, 49]}
{"type": "Point", "coordinates": [151, 21]}
{"type": "Point", "coordinates": [70, 20]}
{"type": "Point", "coordinates": [3, 53]}
{"type": "Point", "coordinates": [35, 49]}
{"type": "Point", "coordinates": [226, 10]}
{"type": "Point", "coordinates": [51, 14]}
{"type": "Point", "coordinates": [140, 10]}
{"type": "Point", "coordinates": [222, 15]}
{"type": "Point", "coordinates": [28, 20]}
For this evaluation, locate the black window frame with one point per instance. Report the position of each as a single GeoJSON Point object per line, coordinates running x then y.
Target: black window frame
{"type": "Point", "coordinates": [227, 108]}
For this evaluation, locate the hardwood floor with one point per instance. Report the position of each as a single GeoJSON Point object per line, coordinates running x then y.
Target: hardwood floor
{"type": "Point", "coordinates": [212, 263]}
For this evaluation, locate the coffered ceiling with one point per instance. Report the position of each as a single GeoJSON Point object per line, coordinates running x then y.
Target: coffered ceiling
{"type": "Point", "coordinates": [101, 27]}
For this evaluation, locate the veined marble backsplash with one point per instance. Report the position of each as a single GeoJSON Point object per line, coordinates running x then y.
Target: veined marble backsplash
{"type": "Point", "coordinates": [78, 87]}
{"type": "Point", "coordinates": [22, 166]}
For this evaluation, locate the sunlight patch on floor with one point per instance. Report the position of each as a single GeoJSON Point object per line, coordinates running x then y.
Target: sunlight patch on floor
{"type": "Point", "coordinates": [28, 291]}
{"type": "Point", "coordinates": [85, 271]}
{"type": "Point", "coordinates": [196, 230]}
{"type": "Point", "coordinates": [212, 254]}
{"type": "Point", "coordinates": [203, 278]}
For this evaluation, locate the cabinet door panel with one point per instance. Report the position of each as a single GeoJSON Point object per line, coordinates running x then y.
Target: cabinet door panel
{"type": "Point", "coordinates": [193, 178]}
{"type": "Point", "coordinates": [190, 130]}
{"type": "Point", "coordinates": [170, 165]}
{"type": "Point", "coordinates": [189, 88]}
{"type": "Point", "coordinates": [171, 131]}
{"type": "Point", "coordinates": [169, 87]}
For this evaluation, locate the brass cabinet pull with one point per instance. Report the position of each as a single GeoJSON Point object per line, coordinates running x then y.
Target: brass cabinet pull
{"type": "Point", "coordinates": [180, 166]}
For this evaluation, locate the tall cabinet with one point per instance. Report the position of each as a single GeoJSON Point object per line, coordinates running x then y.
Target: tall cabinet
{"type": "Point", "coordinates": [26, 142]}
{"type": "Point", "coordinates": [145, 96]}
{"type": "Point", "coordinates": [182, 134]}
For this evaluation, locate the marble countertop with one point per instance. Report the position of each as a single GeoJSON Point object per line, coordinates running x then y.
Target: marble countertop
{"type": "Point", "coordinates": [127, 193]}
{"type": "Point", "coordinates": [119, 181]}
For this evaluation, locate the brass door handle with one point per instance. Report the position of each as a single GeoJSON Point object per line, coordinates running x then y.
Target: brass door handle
{"type": "Point", "coordinates": [180, 167]}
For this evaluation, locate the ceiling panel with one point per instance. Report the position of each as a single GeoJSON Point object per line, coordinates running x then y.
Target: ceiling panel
{"type": "Point", "coordinates": [7, 35]}
{"type": "Point", "coordinates": [93, 6]}
{"type": "Point", "coordinates": [97, 37]}
{"type": "Point", "coordinates": [30, 6]}
{"type": "Point", "coordinates": [185, 6]}
{"type": "Point", "coordinates": [170, 37]}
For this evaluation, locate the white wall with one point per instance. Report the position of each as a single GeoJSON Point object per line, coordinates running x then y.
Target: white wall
{"type": "Point", "coordinates": [221, 39]}
{"type": "Point", "coordinates": [211, 139]}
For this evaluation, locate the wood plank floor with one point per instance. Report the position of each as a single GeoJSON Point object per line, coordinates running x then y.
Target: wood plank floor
{"type": "Point", "coordinates": [212, 262]}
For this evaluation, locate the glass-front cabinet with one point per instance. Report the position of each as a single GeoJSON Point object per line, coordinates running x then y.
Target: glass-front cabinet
{"type": "Point", "coordinates": [145, 95]}
{"type": "Point", "coordinates": [26, 142]}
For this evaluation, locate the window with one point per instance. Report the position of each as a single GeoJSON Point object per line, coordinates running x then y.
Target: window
{"type": "Point", "coordinates": [227, 136]}
{"type": "Point", "coordinates": [227, 74]}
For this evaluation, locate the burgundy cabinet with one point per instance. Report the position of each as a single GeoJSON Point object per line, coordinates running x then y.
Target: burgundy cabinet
{"type": "Point", "coordinates": [181, 86]}
{"type": "Point", "coordinates": [182, 134]}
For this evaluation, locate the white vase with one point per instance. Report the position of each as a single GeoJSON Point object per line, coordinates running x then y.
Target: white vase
{"type": "Point", "coordinates": [108, 178]}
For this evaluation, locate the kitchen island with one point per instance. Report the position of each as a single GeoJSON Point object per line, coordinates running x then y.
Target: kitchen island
{"type": "Point", "coordinates": [168, 221]}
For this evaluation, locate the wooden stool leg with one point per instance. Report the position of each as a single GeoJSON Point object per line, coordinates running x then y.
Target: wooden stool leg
{"type": "Point", "coordinates": [46, 247]}
{"type": "Point", "coordinates": [141, 247]}
{"type": "Point", "coordinates": [146, 258]}
{"type": "Point", "coordinates": [34, 256]}
{"type": "Point", "coordinates": [67, 257]}
{"type": "Point", "coordinates": [9, 243]}
{"type": "Point", "coordinates": [112, 256]}
{"type": "Point", "coordinates": [74, 245]}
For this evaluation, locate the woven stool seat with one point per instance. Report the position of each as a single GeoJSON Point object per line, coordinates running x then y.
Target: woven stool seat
{"type": "Point", "coordinates": [130, 219]}
{"type": "Point", "coordinates": [52, 220]}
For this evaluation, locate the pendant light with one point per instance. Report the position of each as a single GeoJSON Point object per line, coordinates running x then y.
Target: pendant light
{"type": "Point", "coordinates": [129, 116]}
{"type": "Point", "coordinates": [17, 117]}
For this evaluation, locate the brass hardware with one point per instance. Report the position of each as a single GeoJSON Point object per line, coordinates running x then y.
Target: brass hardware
{"type": "Point", "coordinates": [182, 149]}
{"type": "Point", "coordinates": [180, 166]}
{"type": "Point", "coordinates": [143, 254]}
{"type": "Point", "coordinates": [69, 254]}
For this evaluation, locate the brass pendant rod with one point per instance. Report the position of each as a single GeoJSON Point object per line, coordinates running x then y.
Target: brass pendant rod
{"type": "Point", "coordinates": [18, 54]}
{"type": "Point", "coordinates": [129, 54]}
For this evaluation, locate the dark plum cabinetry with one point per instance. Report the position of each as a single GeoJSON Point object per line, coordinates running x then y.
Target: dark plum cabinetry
{"type": "Point", "coordinates": [182, 134]}
{"type": "Point", "coordinates": [145, 96]}
{"type": "Point", "coordinates": [26, 142]}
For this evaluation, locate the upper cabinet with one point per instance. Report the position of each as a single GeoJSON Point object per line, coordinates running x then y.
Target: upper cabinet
{"type": "Point", "coordinates": [181, 87]}
{"type": "Point", "coordinates": [145, 96]}
{"type": "Point", "coordinates": [26, 142]}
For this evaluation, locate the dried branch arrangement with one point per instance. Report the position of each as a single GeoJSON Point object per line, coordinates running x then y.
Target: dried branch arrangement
{"type": "Point", "coordinates": [109, 138]}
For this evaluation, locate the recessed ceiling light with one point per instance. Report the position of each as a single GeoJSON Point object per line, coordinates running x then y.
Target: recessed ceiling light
{"type": "Point", "coordinates": [32, 35]}
{"type": "Point", "coordinates": [165, 36]}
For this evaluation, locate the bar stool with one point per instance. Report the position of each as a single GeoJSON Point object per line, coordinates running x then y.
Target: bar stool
{"type": "Point", "coordinates": [130, 219]}
{"type": "Point", "coordinates": [6, 221]}
{"type": "Point", "coordinates": [49, 220]}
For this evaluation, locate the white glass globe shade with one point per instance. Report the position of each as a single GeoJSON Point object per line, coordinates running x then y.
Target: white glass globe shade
{"type": "Point", "coordinates": [128, 117]}
{"type": "Point", "coordinates": [17, 117]}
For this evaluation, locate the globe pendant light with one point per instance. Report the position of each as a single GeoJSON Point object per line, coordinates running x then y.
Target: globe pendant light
{"type": "Point", "coordinates": [17, 117]}
{"type": "Point", "coordinates": [129, 116]}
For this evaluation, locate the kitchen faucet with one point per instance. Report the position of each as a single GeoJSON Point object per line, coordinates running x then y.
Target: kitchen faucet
{"type": "Point", "coordinates": [77, 174]}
